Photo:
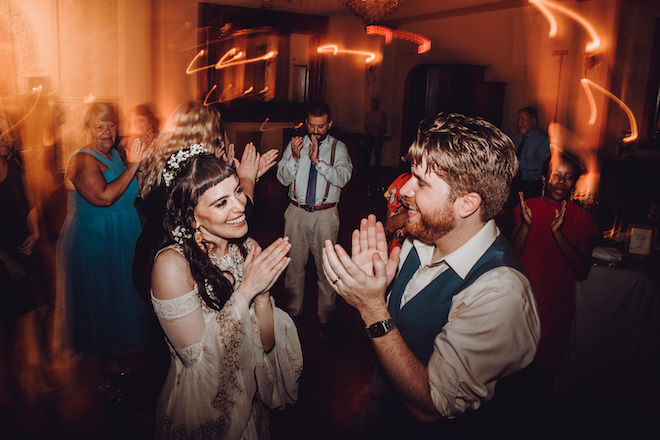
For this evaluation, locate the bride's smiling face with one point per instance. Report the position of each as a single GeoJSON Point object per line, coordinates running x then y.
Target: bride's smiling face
{"type": "Point", "coordinates": [220, 211]}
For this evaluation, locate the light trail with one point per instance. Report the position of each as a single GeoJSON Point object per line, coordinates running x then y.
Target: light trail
{"type": "Point", "coordinates": [543, 5]}
{"type": "Point", "coordinates": [587, 84]}
{"type": "Point", "coordinates": [334, 50]}
{"type": "Point", "coordinates": [423, 43]}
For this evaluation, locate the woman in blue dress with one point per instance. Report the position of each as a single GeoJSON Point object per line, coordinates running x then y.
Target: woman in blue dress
{"type": "Point", "coordinates": [104, 315]}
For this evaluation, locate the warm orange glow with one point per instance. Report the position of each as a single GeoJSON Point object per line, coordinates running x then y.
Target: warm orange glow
{"type": "Point", "coordinates": [233, 57]}
{"type": "Point", "coordinates": [36, 90]}
{"type": "Point", "coordinates": [262, 127]}
{"type": "Point", "coordinates": [334, 50]}
{"type": "Point", "coordinates": [380, 30]}
{"type": "Point", "coordinates": [593, 111]}
{"type": "Point", "coordinates": [548, 16]}
{"type": "Point", "coordinates": [190, 70]}
{"type": "Point", "coordinates": [586, 188]}
{"type": "Point", "coordinates": [219, 100]}
{"type": "Point", "coordinates": [587, 84]}
{"type": "Point", "coordinates": [423, 43]}
{"type": "Point", "coordinates": [543, 6]}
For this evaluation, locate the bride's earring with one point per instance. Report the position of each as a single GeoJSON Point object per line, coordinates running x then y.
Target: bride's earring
{"type": "Point", "coordinates": [198, 237]}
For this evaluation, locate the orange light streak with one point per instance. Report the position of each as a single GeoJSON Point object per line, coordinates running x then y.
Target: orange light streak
{"type": "Point", "coordinates": [190, 70]}
{"type": "Point", "coordinates": [382, 31]}
{"type": "Point", "coordinates": [262, 127]}
{"type": "Point", "coordinates": [542, 6]}
{"type": "Point", "coordinates": [548, 16]}
{"type": "Point", "coordinates": [219, 100]}
{"type": "Point", "coordinates": [233, 57]}
{"type": "Point", "coordinates": [423, 43]}
{"type": "Point", "coordinates": [334, 50]}
{"type": "Point", "coordinates": [587, 84]}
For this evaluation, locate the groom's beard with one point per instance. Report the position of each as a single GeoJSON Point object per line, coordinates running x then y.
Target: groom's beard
{"type": "Point", "coordinates": [428, 228]}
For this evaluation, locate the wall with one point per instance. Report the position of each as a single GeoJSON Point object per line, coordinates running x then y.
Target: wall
{"type": "Point", "coordinates": [76, 50]}
{"type": "Point", "coordinates": [513, 43]}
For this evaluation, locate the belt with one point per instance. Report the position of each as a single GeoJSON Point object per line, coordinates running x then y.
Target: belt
{"type": "Point", "coordinates": [314, 208]}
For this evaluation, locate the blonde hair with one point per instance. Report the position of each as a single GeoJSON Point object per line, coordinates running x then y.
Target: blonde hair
{"type": "Point", "coordinates": [99, 112]}
{"type": "Point", "coordinates": [471, 155]}
{"type": "Point", "coordinates": [192, 123]}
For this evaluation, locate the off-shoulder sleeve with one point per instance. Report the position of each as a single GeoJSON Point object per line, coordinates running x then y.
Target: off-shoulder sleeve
{"type": "Point", "coordinates": [182, 321]}
{"type": "Point", "coordinates": [278, 371]}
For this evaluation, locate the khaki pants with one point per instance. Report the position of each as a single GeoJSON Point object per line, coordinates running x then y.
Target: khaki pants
{"type": "Point", "coordinates": [307, 232]}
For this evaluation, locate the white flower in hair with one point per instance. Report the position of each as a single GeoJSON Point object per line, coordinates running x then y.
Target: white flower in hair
{"type": "Point", "coordinates": [176, 161]}
{"type": "Point", "coordinates": [180, 233]}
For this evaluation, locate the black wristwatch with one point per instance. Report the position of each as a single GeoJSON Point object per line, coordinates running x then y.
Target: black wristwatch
{"type": "Point", "coordinates": [380, 328]}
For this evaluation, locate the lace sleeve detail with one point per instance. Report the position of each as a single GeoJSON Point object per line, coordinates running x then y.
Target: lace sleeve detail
{"type": "Point", "coordinates": [178, 307]}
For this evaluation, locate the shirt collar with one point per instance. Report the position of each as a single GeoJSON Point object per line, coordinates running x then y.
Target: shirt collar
{"type": "Point", "coordinates": [465, 257]}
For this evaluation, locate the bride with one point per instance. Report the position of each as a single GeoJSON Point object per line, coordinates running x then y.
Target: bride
{"type": "Point", "coordinates": [233, 354]}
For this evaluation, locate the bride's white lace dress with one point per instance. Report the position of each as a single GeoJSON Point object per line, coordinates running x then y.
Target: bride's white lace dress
{"type": "Point", "coordinates": [222, 385]}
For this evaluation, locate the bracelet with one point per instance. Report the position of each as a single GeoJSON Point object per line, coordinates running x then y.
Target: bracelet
{"type": "Point", "coordinates": [262, 304]}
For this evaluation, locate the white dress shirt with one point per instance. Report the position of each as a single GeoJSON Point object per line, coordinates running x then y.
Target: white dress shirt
{"type": "Point", "coordinates": [492, 330]}
{"type": "Point", "coordinates": [295, 174]}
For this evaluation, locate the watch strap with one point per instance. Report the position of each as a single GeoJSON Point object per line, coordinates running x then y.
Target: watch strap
{"type": "Point", "coordinates": [380, 328]}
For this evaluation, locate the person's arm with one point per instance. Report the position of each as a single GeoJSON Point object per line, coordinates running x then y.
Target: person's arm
{"type": "Point", "coordinates": [521, 232]}
{"type": "Point", "coordinates": [91, 184]}
{"type": "Point", "coordinates": [492, 331]}
{"type": "Point", "coordinates": [31, 240]}
{"type": "Point", "coordinates": [287, 167]}
{"type": "Point", "coordinates": [340, 173]}
{"type": "Point", "coordinates": [363, 283]}
{"type": "Point", "coordinates": [394, 222]}
{"type": "Point", "coordinates": [32, 221]}
{"type": "Point", "coordinates": [170, 280]}
{"type": "Point", "coordinates": [16, 271]}
{"type": "Point", "coordinates": [578, 257]}
{"type": "Point", "coordinates": [263, 310]}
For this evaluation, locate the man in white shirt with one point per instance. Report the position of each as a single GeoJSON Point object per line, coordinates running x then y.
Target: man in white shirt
{"type": "Point", "coordinates": [315, 168]}
{"type": "Point", "coordinates": [461, 314]}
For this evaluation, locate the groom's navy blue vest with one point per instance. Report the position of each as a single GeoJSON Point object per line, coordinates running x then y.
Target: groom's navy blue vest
{"type": "Point", "coordinates": [422, 318]}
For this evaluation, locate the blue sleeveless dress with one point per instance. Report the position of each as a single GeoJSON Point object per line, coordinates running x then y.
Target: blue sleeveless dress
{"type": "Point", "coordinates": [104, 314]}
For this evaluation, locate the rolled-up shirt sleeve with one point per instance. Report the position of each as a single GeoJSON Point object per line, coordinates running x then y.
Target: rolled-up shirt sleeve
{"type": "Point", "coordinates": [493, 330]}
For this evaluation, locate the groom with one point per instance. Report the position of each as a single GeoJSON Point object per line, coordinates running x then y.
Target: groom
{"type": "Point", "coordinates": [460, 314]}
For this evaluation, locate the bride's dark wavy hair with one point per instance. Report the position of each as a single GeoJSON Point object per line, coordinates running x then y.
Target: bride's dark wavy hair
{"type": "Point", "coordinates": [193, 179]}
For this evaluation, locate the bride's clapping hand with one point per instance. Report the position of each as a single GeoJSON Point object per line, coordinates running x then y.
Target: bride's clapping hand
{"type": "Point", "coordinates": [263, 267]}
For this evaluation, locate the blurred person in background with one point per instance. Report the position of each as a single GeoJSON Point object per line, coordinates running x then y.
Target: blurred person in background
{"type": "Point", "coordinates": [142, 125]}
{"type": "Point", "coordinates": [21, 276]}
{"type": "Point", "coordinates": [191, 123]}
{"type": "Point", "coordinates": [104, 316]}
{"type": "Point", "coordinates": [554, 239]}
{"type": "Point", "coordinates": [397, 208]}
{"type": "Point", "coordinates": [532, 149]}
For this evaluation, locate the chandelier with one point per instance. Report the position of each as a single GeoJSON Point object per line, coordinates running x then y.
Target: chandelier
{"type": "Point", "coordinates": [372, 11]}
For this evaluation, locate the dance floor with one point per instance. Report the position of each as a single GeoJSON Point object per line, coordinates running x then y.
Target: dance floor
{"type": "Point", "coordinates": [47, 395]}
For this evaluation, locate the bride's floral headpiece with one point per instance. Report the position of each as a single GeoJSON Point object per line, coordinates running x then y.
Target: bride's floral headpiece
{"type": "Point", "coordinates": [175, 162]}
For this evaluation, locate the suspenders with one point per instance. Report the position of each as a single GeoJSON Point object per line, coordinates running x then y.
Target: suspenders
{"type": "Point", "coordinates": [332, 163]}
